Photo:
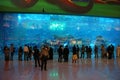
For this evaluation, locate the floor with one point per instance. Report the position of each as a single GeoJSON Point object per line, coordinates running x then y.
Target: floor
{"type": "Point", "coordinates": [84, 69]}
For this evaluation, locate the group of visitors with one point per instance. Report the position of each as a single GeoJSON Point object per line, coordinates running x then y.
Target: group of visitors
{"type": "Point", "coordinates": [86, 52]}
{"type": "Point", "coordinates": [9, 52]}
{"type": "Point", "coordinates": [41, 55]}
{"type": "Point", "coordinates": [63, 53]}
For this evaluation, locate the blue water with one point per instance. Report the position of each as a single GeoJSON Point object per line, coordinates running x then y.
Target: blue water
{"type": "Point", "coordinates": [56, 29]}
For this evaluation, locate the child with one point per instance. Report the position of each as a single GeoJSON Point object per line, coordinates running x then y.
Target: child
{"type": "Point", "coordinates": [74, 58]}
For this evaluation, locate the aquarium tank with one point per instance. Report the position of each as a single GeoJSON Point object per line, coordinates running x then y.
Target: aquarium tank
{"type": "Point", "coordinates": [55, 29]}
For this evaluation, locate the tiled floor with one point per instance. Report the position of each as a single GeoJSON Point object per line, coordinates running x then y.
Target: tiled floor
{"type": "Point", "coordinates": [99, 69]}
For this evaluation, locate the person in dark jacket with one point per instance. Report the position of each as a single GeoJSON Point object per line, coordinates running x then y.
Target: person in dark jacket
{"type": "Point", "coordinates": [75, 56]}
{"type": "Point", "coordinates": [20, 53]}
{"type": "Point", "coordinates": [66, 53]}
{"type": "Point", "coordinates": [12, 50]}
{"type": "Point", "coordinates": [60, 53]}
{"type": "Point", "coordinates": [96, 51]}
{"type": "Point", "coordinates": [51, 53]}
{"type": "Point", "coordinates": [82, 51]}
{"type": "Point", "coordinates": [89, 52]}
{"type": "Point", "coordinates": [36, 56]}
{"type": "Point", "coordinates": [110, 51]}
{"type": "Point", "coordinates": [77, 51]}
{"type": "Point", "coordinates": [30, 53]}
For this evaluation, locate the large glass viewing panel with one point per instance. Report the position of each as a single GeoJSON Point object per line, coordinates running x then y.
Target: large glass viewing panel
{"type": "Point", "coordinates": [54, 29]}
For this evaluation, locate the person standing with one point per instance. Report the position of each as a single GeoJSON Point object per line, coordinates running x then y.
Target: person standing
{"type": "Point", "coordinates": [36, 55]}
{"type": "Point", "coordinates": [77, 51]}
{"type": "Point", "coordinates": [96, 51]}
{"type": "Point", "coordinates": [44, 55]}
{"type": "Point", "coordinates": [118, 51]}
{"type": "Point", "coordinates": [112, 50]}
{"type": "Point", "coordinates": [51, 53]}
{"type": "Point", "coordinates": [12, 50]}
{"type": "Point", "coordinates": [26, 51]}
{"type": "Point", "coordinates": [89, 52]}
{"type": "Point", "coordinates": [66, 53]}
{"type": "Point", "coordinates": [82, 51]}
{"type": "Point", "coordinates": [103, 51]}
{"type": "Point", "coordinates": [109, 52]}
{"type": "Point", "coordinates": [20, 53]}
{"type": "Point", "coordinates": [60, 53]}
{"type": "Point", "coordinates": [30, 53]}
{"type": "Point", "coordinates": [75, 56]}
{"type": "Point", "coordinates": [6, 53]}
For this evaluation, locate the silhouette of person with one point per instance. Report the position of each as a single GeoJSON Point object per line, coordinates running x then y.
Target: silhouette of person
{"type": "Point", "coordinates": [20, 53]}
{"type": "Point", "coordinates": [36, 56]}
{"type": "Point", "coordinates": [12, 50]}
{"type": "Point", "coordinates": [66, 53]}
{"type": "Point", "coordinates": [96, 51]}
{"type": "Point", "coordinates": [51, 53]}
{"type": "Point", "coordinates": [60, 53]}
{"type": "Point", "coordinates": [6, 53]}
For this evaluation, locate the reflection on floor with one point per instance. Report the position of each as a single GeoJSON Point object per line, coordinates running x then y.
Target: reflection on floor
{"type": "Point", "coordinates": [99, 69]}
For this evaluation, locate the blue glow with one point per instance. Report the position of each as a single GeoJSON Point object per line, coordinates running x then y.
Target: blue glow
{"type": "Point", "coordinates": [65, 44]}
{"type": "Point", "coordinates": [57, 26]}
{"type": "Point", "coordinates": [19, 17]}
{"type": "Point", "coordinates": [39, 28]}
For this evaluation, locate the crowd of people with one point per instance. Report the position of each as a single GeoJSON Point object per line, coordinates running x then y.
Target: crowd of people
{"type": "Point", "coordinates": [87, 51]}
{"type": "Point", "coordinates": [41, 55]}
